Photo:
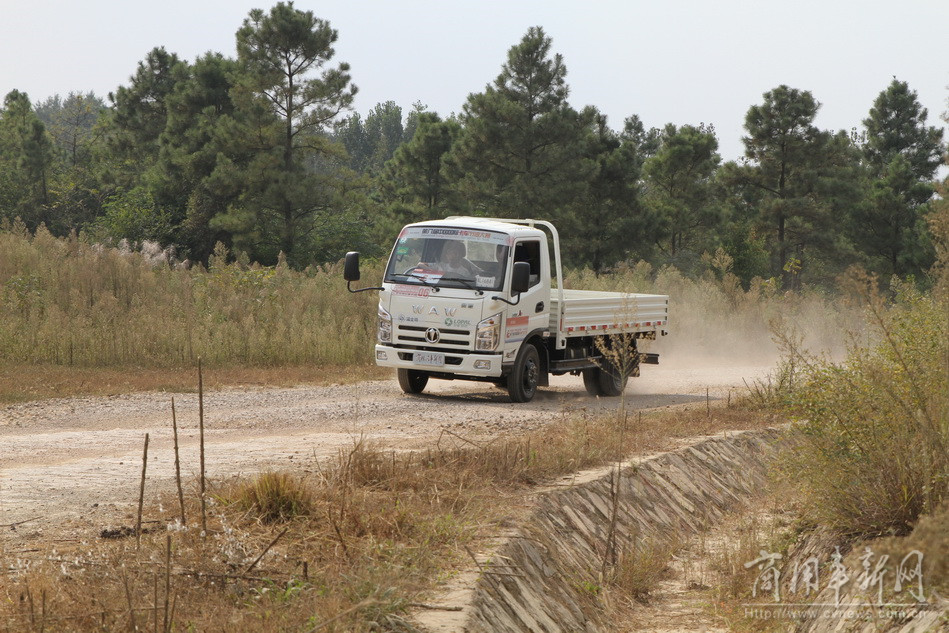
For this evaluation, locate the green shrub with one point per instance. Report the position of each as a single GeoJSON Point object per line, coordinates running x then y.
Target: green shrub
{"type": "Point", "coordinates": [872, 451]}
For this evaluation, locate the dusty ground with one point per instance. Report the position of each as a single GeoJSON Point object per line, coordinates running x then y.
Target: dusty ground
{"type": "Point", "coordinates": [705, 587]}
{"type": "Point", "coordinates": [77, 462]}
{"type": "Point", "coordinates": [685, 600]}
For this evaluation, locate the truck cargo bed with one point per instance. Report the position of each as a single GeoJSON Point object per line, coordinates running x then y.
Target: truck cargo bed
{"type": "Point", "coordinates": [587, 312]}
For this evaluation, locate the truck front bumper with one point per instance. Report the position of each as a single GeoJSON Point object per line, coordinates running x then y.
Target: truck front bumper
{"type": "Point", "coordinates": [462, 364]}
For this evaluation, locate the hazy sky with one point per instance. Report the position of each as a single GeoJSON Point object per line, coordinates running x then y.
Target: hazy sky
{"type": "Point", "coordinates": [675, 61]}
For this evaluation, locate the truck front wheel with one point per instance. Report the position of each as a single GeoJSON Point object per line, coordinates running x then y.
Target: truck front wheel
{"type": "Point", "coordinates": [412, 380]}
{"type": "Point", "coordinates": [523, 379]}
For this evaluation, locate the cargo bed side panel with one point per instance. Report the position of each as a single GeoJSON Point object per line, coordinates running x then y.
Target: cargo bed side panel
{"type": "Point", "coordinates": [592, 312]}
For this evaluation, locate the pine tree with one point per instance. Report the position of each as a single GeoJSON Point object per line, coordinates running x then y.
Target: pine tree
{"type": "Point", "coordinates": [140, 113]}
{"type": "Point", "coordinates": [520, 153]}
{"type": "Point", "coordinates": [192, 146]}
{"type": "Point", "coordinates": [373, 142]}
{"type": "Point", "coordinates": [902, 154]}
{"type": "Point", "coordinates": [26, 154]}
{"type": "Point", "coordinates": [678, 178]}
{"type": "Point", "coordinates": [76, 191]}
{"type": "Point", "coordinates": [415, 175]}
{"type": "Point", "coordinates": [287, 99]}
{"type": "Point", "coordinates": [800, 179]}
{"type": "Point", "coordinates": [608, 223]}
{"type": "Point", "coordinates": [71, 123]}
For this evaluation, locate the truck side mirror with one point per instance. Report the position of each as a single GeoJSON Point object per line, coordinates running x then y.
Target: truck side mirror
{"type": "Point", "coordinates": [351, 272]}
{"type": "Point", "coordinates": [520, 277]}
{"type": "Point", "coordinates": [351, 268]}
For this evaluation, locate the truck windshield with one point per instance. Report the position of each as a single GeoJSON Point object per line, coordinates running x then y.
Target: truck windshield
{"type": "Point", "coordinates": [449, 258]}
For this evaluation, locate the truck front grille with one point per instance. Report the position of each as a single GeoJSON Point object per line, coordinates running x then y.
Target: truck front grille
{"type": "Point", "coordinates": [448, 338]}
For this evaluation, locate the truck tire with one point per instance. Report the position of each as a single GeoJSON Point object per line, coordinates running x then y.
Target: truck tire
{"type": "Point", "coordinates": [612, 382]}
{"type": "Point", "coordinates": [412, 380]}
{"type": "Point", "coordinates": [591, 381]}
{"type": "Point", "coordinates": [523, 379]}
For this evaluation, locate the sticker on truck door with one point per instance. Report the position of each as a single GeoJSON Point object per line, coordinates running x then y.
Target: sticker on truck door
{"type": "Point", "coordinates": [515, 328]}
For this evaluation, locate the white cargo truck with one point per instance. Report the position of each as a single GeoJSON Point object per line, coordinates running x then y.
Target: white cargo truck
{"type": "Point", "coordinates": [469, 298]}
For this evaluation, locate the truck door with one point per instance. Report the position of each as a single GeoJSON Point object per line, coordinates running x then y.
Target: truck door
{"type": "Point", "coordinates": [532, 311]}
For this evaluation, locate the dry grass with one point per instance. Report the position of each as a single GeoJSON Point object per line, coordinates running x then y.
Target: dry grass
{"type": "Point", "coordinates": [355, 542]}
{"type": "Point", "coordinates": [930, 537]}
{"type": "Point", "coordinates": [747, 536]}
{"type": "Point", "coordinates": [19, 383]}
{"type": "Point", "coordinates": [640, 568]}
{"type": "Point", "coordinates": [69, 303]}
{"type": "Point", "coordinates": [272, 497]}
{"type": "Point", "coordinates": [281, 554]}
{"type": "Point", "coordinates": [755, 533]}
{"type": "Point", "coordinates": [749, 539]}
{"type": "Point", "coordinates": [700, 581]}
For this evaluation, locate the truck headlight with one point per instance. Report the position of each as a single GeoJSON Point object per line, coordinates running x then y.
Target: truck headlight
{"type": "Point", "coordinates": [489, 332]}
{"type": "Point", "coordinates": [385, 326]}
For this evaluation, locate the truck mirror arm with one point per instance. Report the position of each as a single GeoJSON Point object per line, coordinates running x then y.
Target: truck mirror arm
{"type": "Point", "coordinates": [510, 303]}
{"type": "Point", "coordinates": [350, 288]}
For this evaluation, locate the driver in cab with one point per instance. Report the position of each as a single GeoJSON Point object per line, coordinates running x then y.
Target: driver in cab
{"type": "Point", "coordinates": [454, 263]}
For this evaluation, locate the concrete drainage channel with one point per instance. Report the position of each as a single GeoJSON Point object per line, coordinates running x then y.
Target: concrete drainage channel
{"type": "Point", "coordinates": [533, 581]}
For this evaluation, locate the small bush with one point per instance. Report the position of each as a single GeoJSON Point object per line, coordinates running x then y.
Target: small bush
{"type": "Point", "coordinates": [274, 496]}
{"type": "Point", "coordinates": [774, 391]}
{"type": "Point", "coordinates": [641, 568]}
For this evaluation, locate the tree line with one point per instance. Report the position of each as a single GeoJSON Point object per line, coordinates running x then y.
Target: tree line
{"type": "Point", "coordinates": [263, 154]}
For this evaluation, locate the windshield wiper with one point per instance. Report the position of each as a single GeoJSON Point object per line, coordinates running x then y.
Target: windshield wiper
{"type": "Point", "coordinates": [419, 277]}
{"type": "Point", "coordinates": [467, 283]}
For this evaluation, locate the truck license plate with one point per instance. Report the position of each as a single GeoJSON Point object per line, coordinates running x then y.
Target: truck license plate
{"type": "Point", "coordinates": [429, 359]}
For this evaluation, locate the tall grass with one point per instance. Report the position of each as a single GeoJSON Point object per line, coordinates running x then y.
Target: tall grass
{"type": "Point", "coordinates": [67, 302]}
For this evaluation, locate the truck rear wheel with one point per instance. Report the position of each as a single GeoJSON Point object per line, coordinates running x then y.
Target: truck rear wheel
{"type": "Point", "coordinates": [612, 382]}
{"type": "Point", "coordinates": [522, 381]}
{"type": "Point", "coordinates": [591, 381]}
{"type": "Point", "coordinates": [412, 380]}
{"type": "Point", "coordinates": [604, 382]}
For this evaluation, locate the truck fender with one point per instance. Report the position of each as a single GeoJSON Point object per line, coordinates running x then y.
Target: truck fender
{"type": "Point", "coordinates": [536, 338]}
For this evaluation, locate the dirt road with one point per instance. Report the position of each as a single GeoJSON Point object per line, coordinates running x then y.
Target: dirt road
{"type": "Point", "coordinates": [77, 461]}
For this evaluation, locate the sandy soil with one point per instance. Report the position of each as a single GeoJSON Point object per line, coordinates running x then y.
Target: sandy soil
{"type": "Point", "coordinates": [684, 600]}
{"type": "Point", "coordinates": [77, 462]}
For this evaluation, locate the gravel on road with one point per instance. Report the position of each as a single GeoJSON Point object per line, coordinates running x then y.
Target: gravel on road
{"type": "Point", "coordinates": [77, 461]}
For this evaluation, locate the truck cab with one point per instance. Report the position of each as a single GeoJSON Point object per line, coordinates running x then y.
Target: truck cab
{"type": "Point", "coordinates": [472, 298]}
